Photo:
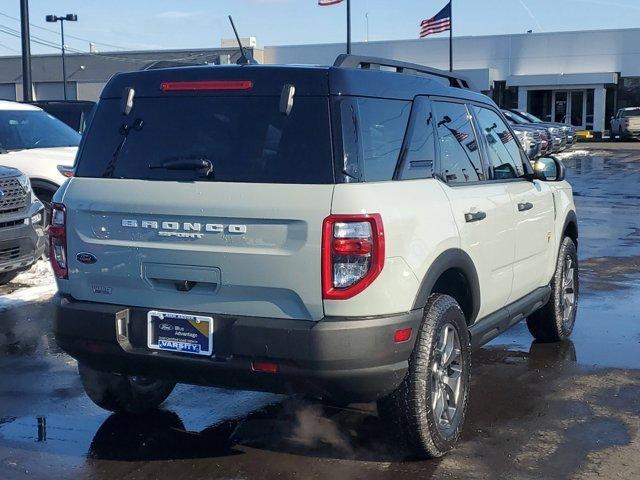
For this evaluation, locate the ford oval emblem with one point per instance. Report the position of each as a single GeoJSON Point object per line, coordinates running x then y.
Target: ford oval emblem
{"type": "Point", "coordinates": [166, 327]}
{"type": "Point", "coordinates": [85, 257]}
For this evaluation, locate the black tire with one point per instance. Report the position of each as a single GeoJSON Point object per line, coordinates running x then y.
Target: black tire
{"type": "Point", "coordinates": [121, 393]}
{"type": "Point", "coordinates": [6, 277]}
{"type": "Point", "coordinates": [554, 322]}
{"type": "Point", "coordinates": [411, 409]}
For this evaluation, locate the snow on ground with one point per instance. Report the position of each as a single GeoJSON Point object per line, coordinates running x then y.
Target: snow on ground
{"type": "Point", "coordinates": [34, 285]}
{"type": "Point", "coordinates": [573, 154]}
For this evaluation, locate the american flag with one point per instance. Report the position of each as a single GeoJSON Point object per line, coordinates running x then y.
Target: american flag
{"type": "Point", "coordinates": [505, 137]}
{"type": "Point", "coordinates": [324, 3]}
{"type": "Point", "coordinates": [441, 22]}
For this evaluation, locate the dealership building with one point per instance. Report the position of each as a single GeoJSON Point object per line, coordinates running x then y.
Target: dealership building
{"type": "Point", "coordinates": [579, 77]}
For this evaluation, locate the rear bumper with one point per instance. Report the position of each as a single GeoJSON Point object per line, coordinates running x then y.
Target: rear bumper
{"type": "Point", "coordinates": [21, 242]}
{"type": "Point", "coordinates": [340, 358]}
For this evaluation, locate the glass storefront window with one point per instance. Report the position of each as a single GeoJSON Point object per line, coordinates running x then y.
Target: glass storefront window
{"type": "Point", "coordinates": [629, 92]}
{"type": "Point", "coordinates": [505, 97]}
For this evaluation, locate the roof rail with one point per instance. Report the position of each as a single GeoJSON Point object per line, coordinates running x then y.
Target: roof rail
{"type": "Point", "coordinates": [374, 63]}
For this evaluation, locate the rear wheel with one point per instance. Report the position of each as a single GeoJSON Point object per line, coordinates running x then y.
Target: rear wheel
{"type": "Point", "coordinates": [555, 321]}
{"type": "Point", "coordinates": [122, 393]}
{"type": "Point", "coordinates": [6, 277]}
{"type": "Point", "coordinates": [428, 409]}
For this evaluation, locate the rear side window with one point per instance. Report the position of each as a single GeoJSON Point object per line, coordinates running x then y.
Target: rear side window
{"type": "Point", "coordinates": [458, 147]}
{"type": "Point", "coordinates": [503, 152]}
{"type": "Point", "coordinates": [246, 139]}
{"type": "Point", "coordinates": [372, 131]}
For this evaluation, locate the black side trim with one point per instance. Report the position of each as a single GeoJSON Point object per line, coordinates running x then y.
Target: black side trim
{"type": "Point", "coordinates": [452, 258]}
{"type": "Point", "coordinates": [497, 323]}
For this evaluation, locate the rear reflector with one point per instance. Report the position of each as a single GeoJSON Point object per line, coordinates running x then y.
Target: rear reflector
{"type": "Point", "coordinates": [206, 85]}
{"type": "Point", "coordinates": [265, 367]}
{"type": "Point", "coordinates": [402, 335]}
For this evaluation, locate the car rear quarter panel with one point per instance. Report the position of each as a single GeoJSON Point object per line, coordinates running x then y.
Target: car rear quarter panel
{"type": "Point", "coordinates": [418, 226]}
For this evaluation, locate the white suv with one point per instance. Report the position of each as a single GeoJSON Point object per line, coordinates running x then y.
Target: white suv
{"type": "Point", "coordinates": [37, 144]}
{"type": "Point", "coordinates": [347, 232]}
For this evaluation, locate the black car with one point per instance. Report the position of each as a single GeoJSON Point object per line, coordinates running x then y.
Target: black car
{"type": "Point", "coordinates": [74, 113]}
{"type": "Point", "coordinates": [22, 238]}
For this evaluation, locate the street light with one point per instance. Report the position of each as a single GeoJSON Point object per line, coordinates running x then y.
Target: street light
{"type": "Point", "coordinates": [69, 17]}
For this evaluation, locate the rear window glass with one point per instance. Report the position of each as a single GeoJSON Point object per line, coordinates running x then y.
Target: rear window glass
{"type": "Point", "coordinates": [631, 113]}
{"type": "Point", "coordinates": [246, 139]}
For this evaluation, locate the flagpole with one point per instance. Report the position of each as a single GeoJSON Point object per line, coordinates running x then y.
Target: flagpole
{"type": "Point", "coordinates": [348, 27]}
{"type": "Point", "coordinates": [451, 39]}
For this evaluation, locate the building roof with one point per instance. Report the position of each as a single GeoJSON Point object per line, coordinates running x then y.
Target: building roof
{"type": "Point", "coordinates": [98, 67]}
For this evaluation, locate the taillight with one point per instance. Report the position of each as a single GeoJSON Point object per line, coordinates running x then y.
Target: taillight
{"type": "Point", "coordinates": [58, 240]}
{"type": "Point", "coordinates": [352, 254]}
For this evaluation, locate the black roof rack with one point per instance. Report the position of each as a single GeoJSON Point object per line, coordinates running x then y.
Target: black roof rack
{"type": "Point", "coordinates": [374, 63]}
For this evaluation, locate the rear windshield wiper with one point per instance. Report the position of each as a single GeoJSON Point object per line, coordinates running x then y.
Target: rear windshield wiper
{"type": "Point", "coordinates": [200, 164]}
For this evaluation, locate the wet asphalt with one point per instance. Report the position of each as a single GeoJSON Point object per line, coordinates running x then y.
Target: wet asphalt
{"type": "Point", "coordinates": [569, 410]}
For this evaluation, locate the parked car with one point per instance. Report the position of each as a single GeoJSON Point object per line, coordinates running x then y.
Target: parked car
{"type": "Point", "coordinates": [557, 139]}
{"type": "Point", "coordinates": [626, 123]}
{"type": "Point", "coordinates": [569, 130]}
{"type": "Point", "coordinates": [269, 228]}
{"type": "Point", "coordinates": [74, 113]}
{"type": "Point", "coordinates": [527, 138]}
{"type": "Point", "coordinates": [21, 224]}
{"type": "Point", "coordinates": [39, 145]}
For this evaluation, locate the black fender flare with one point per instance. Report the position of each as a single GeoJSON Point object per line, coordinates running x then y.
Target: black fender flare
{"type": "Point", "coordinates": [571, 218]}
{"type": "Point", "coordinates": [451, 258]}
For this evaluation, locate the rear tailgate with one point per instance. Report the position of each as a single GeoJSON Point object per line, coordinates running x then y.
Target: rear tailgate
{"type": "Point", "coordinates": [633, 123]}
{"type": "Point", "coordinates": [241, 236]}
{"type": "Point", "coordinates": [246, 249]}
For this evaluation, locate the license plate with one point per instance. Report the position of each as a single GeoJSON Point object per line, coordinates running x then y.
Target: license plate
{"type": "Point", "coordinates": [179, 332]}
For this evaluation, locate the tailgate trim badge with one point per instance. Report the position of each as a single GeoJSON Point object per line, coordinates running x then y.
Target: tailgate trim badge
{"type": "Point", "coordinates": [86, 258]}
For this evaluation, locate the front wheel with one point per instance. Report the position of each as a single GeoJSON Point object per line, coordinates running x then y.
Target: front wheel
{"type": "Point", "coordinates": [555, 321]}
{"type": "Point", "coordinates": [428, 409]}
{"type": "Point", "coordinates": [122, 393]}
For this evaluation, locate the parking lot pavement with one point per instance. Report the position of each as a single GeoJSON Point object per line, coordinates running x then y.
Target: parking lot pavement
{"type": "Point", "coordinates": [568, 410]}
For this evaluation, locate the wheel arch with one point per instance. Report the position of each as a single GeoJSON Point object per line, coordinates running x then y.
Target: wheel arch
{"type": "Point", "coordinates": [42, 184]}
{"type": "Point", "coordinates": [453, 273]}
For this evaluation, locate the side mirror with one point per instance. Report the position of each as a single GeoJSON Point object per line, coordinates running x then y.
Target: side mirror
{"type": "Point", "coordinates": [549, 169]}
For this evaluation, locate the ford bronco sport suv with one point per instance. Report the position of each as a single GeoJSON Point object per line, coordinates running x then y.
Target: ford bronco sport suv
{"type": "Point", "coordinates": [349, 233]}
{"type": "Point", "coordinates": [21, 224]}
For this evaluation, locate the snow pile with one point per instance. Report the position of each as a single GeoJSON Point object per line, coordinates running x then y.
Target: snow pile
{"type": "Point", "coordinates": [34, 285]}
{"type": "Point", "coordinates": [566, 155]}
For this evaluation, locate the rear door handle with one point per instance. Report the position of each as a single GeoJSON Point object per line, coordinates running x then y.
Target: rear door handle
{"type": "Point", "coordinates": [523, 207]}
{"type": "Point", "coordinates": [474, 216]}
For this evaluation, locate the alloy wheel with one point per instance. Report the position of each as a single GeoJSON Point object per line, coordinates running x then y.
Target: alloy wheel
{"type": "Point", "coordinates": [568, 292]}
{"type": "Point", "coordinates": [446, 378]}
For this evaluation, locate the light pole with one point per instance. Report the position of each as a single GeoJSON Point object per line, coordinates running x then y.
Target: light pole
{"type": "Point", "coordinates": [27, 91]}
{"type": "Point", "coordinates": [69, 17]}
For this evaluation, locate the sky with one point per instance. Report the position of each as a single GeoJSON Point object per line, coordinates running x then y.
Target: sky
{"type": "Point", "coordinates": [165, 24]}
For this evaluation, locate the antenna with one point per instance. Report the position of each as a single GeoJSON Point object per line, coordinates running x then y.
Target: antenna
{"type": "Point", "coordinates": [244, 59]}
